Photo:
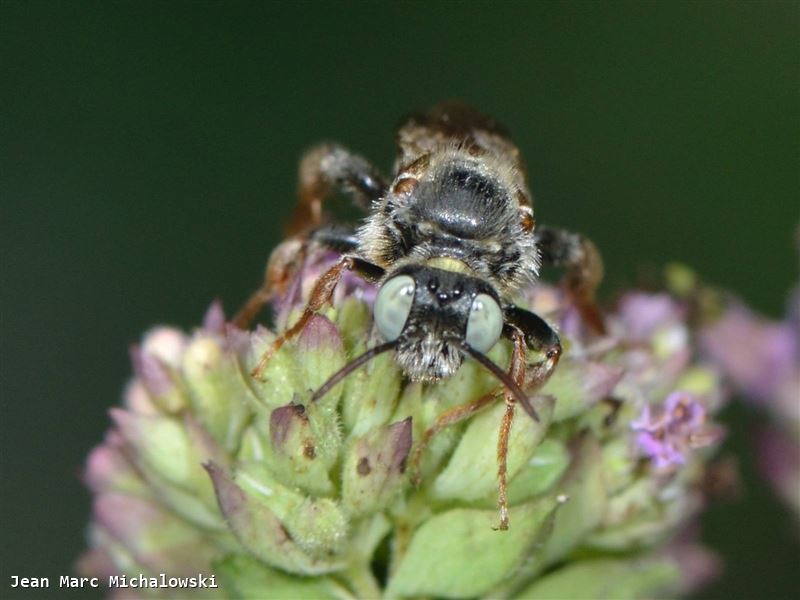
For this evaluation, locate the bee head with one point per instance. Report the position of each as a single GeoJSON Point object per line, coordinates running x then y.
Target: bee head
{"type": "Point", "coordinates": [431, 314]}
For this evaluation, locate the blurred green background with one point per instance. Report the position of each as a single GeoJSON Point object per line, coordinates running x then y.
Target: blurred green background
{"type": "Point", "coordinates": [149, 155]}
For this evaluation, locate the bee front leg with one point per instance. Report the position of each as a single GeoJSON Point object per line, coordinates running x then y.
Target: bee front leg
{"type": "Point", "coordinates": [464, 411]}
{"type": "Point", "coordinates": [329, 168]}
{"type": "Point", "coordinates": [320, 295]}
{"type": "Point", "coordinates": [538, 336]}
{"type": "Point", "coordinates": [526, 330]}
{"type": "Point", "coordinates": [584, 266]}
{"type": "Point", "coordinates": [517, 372]}
{"type": "Point", "coordinates": [287, 260]}
{"type": "Point", "coordinates": [282, 266]}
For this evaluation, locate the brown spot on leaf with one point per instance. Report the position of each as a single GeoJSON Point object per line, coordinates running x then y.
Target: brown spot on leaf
{"type": "Point", "coordinates": [309, 451]}
{"type": "Point", "coordinates": [363, 468]}
{"type": "Point", "coordinates": [401, 433]}
{"type": "Point", "coordinates": [614, 405]}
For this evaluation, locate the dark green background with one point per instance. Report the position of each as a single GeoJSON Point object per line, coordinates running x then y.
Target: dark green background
{"type": "Point", "coordinates": [149, 154]}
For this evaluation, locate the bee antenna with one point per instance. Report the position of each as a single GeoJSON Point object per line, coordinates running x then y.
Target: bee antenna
{"type": "Point", "coordinates": [505, 379]}
{"type": "Point", "coordinates": [350, 367]}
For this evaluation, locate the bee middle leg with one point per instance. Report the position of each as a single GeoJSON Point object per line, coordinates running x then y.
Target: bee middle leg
{"type": "Point", "coordinates": [320, 295]}
{"type": "Point", "coordinates": [584, 266]}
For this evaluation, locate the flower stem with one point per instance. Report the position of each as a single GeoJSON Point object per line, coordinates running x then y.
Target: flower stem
{"type": "Point", "coordinates": [361, 580]}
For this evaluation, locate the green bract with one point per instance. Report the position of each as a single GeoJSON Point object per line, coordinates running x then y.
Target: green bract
{"type": "Point", "coordinates": [209, 471]}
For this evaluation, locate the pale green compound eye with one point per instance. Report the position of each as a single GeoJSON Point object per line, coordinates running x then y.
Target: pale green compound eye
{"type": "Point", "coordinates": [485, 323]}
{"type": "Point", "coordinates": [393, 305]}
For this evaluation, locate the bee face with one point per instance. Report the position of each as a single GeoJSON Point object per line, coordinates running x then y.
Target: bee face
{"type": "Point", "coordinates": [432, 314]}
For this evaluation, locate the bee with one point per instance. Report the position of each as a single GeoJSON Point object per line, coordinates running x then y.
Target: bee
{"type": "Point", "coordinates": [448, 241]}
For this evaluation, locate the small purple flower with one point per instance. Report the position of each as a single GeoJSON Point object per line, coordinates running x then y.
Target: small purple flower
{"type": "Point", "coordinates": [644, 313]}
{"type": "Point", "coordinates": [667, 434]}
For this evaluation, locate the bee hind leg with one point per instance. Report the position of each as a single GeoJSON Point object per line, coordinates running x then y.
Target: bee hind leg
{"type": "Point", "coordinates": [324, 169]}
{"type": "Point", "coordinates": [583, 264]}
{"type": "Point", "coordinates": [328, 168]}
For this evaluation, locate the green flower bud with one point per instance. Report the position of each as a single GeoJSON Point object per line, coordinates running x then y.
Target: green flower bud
{"type": "Point", "coordinates": [471, 473]}
{"type": "Point", "coordinates": [374, 467]}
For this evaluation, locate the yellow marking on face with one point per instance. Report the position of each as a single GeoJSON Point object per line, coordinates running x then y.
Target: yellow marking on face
{"type": "Point", "coordinates": [445, 263]}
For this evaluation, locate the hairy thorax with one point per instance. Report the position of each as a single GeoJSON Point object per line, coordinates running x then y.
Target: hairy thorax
{"type": "Point", "coordinates": [458, 208]}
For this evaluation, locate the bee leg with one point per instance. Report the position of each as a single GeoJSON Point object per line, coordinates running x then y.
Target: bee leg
{"type": "Point", "coordinates": [282, 265]}
{"type": "Point", "coordinates": [447, 418]}
{"type": "Point", "coordinates": [320, 295]}
{"type": "Point", "coordinates": [517, 372]}
{"type": "Point", "coordinates": [502, 464]}
{"type": "Point", "coordinates": [538, 336]}
{"type": "Point", "coordinates": [464, 411]}
{"type": "Point", "coordinates": [584, 266]}
{"type": "Point", "coordinates": [334, 236]}
{"type": "Point", "coordinates": [286, 260]}
{"type": "Point", "coordinates": [324, 169]}
{"type": "Point", "coordinates": [327, 168]}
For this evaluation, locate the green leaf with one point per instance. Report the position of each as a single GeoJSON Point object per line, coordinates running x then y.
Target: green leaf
{"type": "Point", "coordinates": [584, 487]}
{"type": "Point", "coordinates": [642, 514]}
{"type": "Point", "coordinates": [374, 466]}
{"type": "Point", "coordinates": [371, 395]}
{"type": "Point", "coordinates": [578, 385]}
{"type": "Point", "coordinates": [170, 452]}
{"type": "Point", "coordinates": [459, 554]}
{"type": "Point", "coordinates": [353, 319]}
{"type": "Point", "coordinates": [259, 530]}
{"type": "Point", "coordinates": [317, 525]}
{"type": "Point", "coordinates": [218, 393]}
{"type": "Point", "coordinates": [244, 577]}
{"type": "Point", "coordinates": [605, 579]}
{"type": "Point", "coordinates": [619, 464]}
{"type": "Point", "coordinates": [544, 468]}
{"type": "Point", "coordinates": [299, 447]}
{"type": "Point", "coordinates": [301, 366]}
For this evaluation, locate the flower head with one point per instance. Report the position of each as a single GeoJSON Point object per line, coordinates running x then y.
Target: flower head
{"type": "Point", "coordinates": [208, 470]}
